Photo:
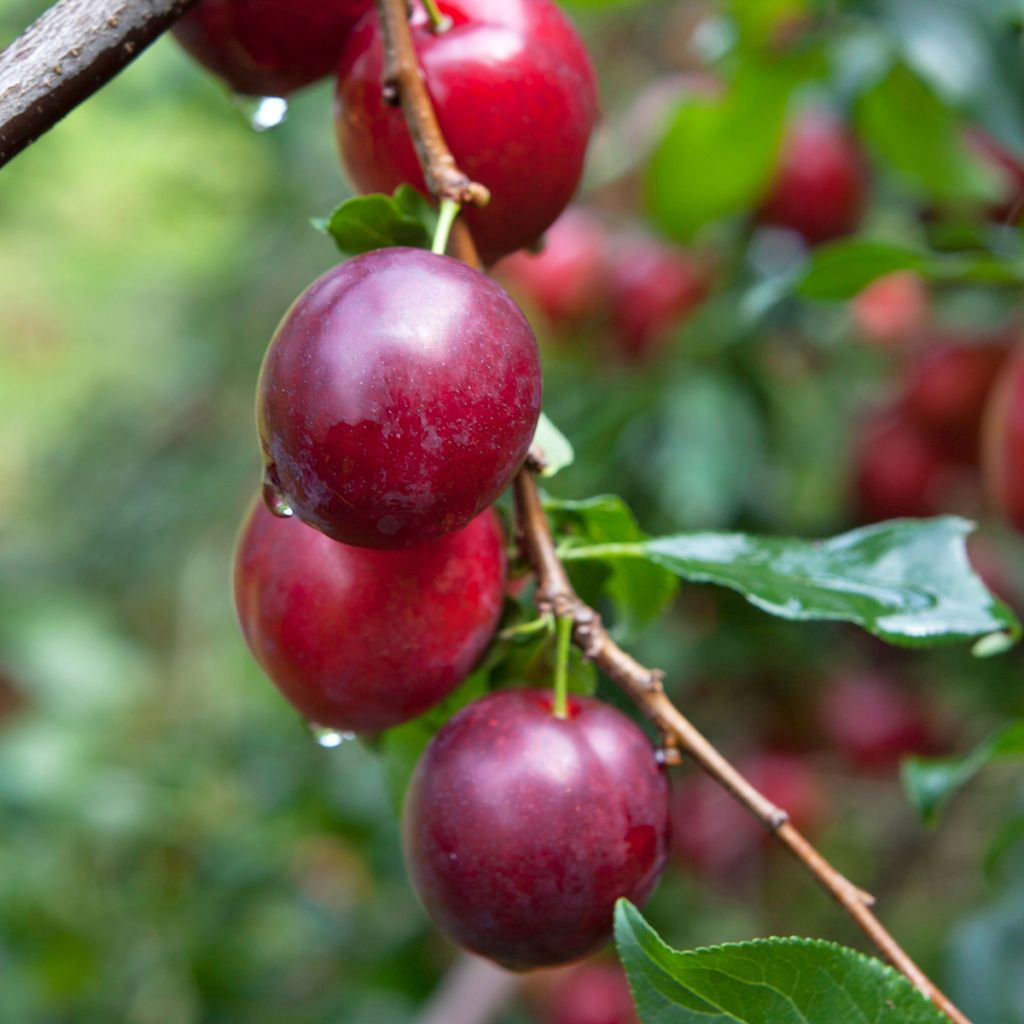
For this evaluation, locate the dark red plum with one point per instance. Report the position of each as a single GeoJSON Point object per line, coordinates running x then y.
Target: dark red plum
{"type": "Point", "coordinates": [947, 388]}
{"type": "Point", "coordinates": [398, 398]}
{"type": "Point", "coordinates": [269, 47]}
{"type": "Point", "coordinates": [1003, 448]}
{"type": "Point", "coordinates": [567, 280]}
{"type": "Point", "coordinates": [652, 287]}
{"type": "Point", "coordinates": [874, 721]}
{"type": "Point", "coordinates": [522, 829]}
{"type": "Point", "coordinates": [820, 187]}
{"type": "Point", "coordinates": [362, 640]}
{"type": "Point", "coordinates": [593, 993]}
{"type": "Point", "coordinates": [516, 98]}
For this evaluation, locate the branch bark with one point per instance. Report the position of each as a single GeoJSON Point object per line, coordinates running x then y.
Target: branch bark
{"type": "Point", "coordinates": [63, 58]}
{"type": "Point", "coordinates": [555, 593]}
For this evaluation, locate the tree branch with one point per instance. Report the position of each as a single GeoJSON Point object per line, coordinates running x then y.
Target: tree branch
{"type": "Point", "coordinates": [64, 57]}
{"type": "Point", "coordinates": [555, 593]}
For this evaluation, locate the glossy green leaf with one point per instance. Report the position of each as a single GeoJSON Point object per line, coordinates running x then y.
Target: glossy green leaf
{"type": "Point", "coordinates": [554, 447]}
{"type": "Point", "coordinates": [377, 221]}
{"type": "Point", "coordinates": [908, 582]}
{"type": "Point", "coordinates": [840, 270]}
{"type": "Point", "coordinates": [916, 135]}
{"type": "Point", "coordinates": [719, 152]}
{"type": "Point", "coordinates": [931, 782]}
{"type": "Point", "coordinates": [767, 981]}
{"type": "Point", "coordinates": [638, 590]}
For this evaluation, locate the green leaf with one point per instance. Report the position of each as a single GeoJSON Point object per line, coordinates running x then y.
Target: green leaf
{"type": "Point", "coordinates": [910, 129]}
{"type": "Point", "coordinates": [931, 782]}
{"type": "Point", "coordinates": [554, 447]}
{"type": "Point", "coordinates": [638, 590]}
{"type": "Point", "coordinates": [720, 151]}
{"type": "Point", "coordinates": [767, 981]}
{"type": "Point", "coordinates": [908, 582]}
{"type": "Point", "coordinates": [364, 223]}
{"type": "Point", "coordinates": [840, 270]}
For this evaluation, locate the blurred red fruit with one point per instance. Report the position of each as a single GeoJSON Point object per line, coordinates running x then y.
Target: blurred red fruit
{"type": "Point", "coordinates": [714, 835]}
{"type": "Point", "coordinates": [874, 721]}
{"type": "Point", "coordinates": [893, 310]}
{"type": "Point", "coordinates": [947, 388]}
{"type": "Point", "coordinates": [566, 280]}
{"type": "Point", "coordinates": [820, 186]}
{"type": "Point", "coordinates": [1009, 169]}
{"type": "Point", "coordinates": [900, 472]}
{"type": "Point", "coordinates": [593, 993]}
{"type": "Point", "coordinates": [652, 287]}
{"type": "Point", "coordinates": [1003, 449]}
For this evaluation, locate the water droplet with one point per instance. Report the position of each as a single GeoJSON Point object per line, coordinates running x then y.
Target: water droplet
{"type": "Point", "coordinates": [264, 112]}
{"type": "Point", "coordinates": [328, 738]}
{"type": "Point", "coordinates": [273, 496]}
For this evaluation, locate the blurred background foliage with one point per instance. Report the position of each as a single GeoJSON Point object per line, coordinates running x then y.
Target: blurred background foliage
{"type": "Point", "coordinates": [173, 845]}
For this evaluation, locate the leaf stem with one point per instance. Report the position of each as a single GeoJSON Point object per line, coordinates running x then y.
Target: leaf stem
{"type": "Point", "coordinates": [564, 630]}
{"type": "Point", "coordinates": [598, 552]}
{"type": "Point", "coordinates": [445, 219]}
{"type": "Point", "coordinates": [438, 22]}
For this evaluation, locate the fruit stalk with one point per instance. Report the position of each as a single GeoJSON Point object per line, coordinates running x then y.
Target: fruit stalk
{"type": "Point", "coordinates": [72, 50]}
{"type": "Point", "coordinates": [404, 84]}
{"type": "Point", "coordinates": [555, 594]}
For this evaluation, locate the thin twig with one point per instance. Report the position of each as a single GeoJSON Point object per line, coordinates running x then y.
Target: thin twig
{"type": "Point", "coordinates": [555, 594]}
{"type": "Point", "coordinates": [63, 58]}
{"type": "Point", "coordinates": [402, 79]}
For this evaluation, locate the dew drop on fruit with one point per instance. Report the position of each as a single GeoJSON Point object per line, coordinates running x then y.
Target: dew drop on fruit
{"type": "Point", "coordinates": [264, 112]}
{"type": "Point", "coordinates": [273, 496]}
{"type": "Point", "coordinates": [328, 738]}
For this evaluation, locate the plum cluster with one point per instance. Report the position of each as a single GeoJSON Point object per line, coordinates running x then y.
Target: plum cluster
{"type": "Point", "coordinates": [397, 399]}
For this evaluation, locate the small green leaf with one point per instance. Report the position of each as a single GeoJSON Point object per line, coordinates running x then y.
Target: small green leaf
{"type": "Point", "coordinates": [911, 130]}
{"type": "Point", "coordinates": [841, 269]}
{"type": "Point", "coordinates": [638, 590]}
{"type": "Point", "coordinates": [364, 223]}
{"type": "Point", "coordinates": [768, 981]}
{"type": "Point", "coordinates": [554, 447]}
{"type": "Point", "coordinates": [931, 782]}
{"type": "Point", "coordinates": [908, 582]}
{"type": "Point", "coordinates": [719, 152]}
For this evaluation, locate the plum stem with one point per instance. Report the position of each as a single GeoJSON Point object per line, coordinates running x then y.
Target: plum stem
{"type": "Point", "coordinates": [403, 77]}
{"type": "Point", "coordinates": [445, 219]}
{"type": "Point", "coordinates": [438, 22]}
{"type": "Point", "coordinates": [564, 637]}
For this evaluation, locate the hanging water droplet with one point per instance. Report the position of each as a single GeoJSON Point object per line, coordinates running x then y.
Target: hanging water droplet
{"type": "Point", "coordinates": [328, 738]}
{"type": "Point", "coordinates": [273, 496]}
{"type": "Point", "coordinates": [266, 112]}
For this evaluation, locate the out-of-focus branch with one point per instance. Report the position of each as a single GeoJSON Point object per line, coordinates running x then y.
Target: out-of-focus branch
{"type": "Point", "coordinates": [472, 992]}
{"type": "Point", "coordinates": [555, 593]}
{"type": "Point", "coordinates": [76, 47]}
